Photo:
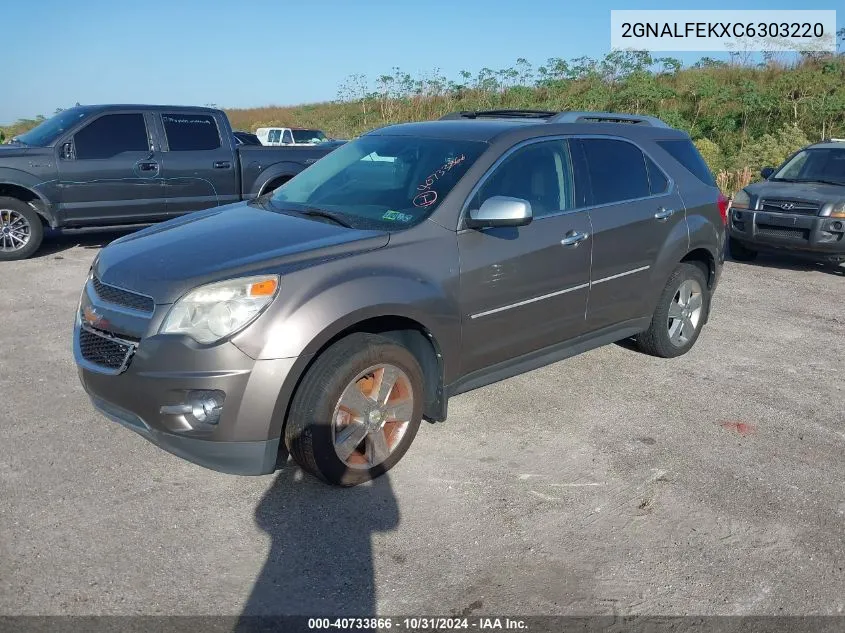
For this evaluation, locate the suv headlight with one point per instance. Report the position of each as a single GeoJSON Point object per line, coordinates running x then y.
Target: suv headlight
{"type": "Point", "coordinates": [211, 312]}
{"type": "Point", "coordinates": [838, 210]}
{"type": "Point", "coordinates": [741, 200]}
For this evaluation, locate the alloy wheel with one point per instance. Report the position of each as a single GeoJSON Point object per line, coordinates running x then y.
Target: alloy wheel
{"type": "Point", "coordinates": [685, 312]}
{"type": "Point", "coordinates": [372, 416]}
{"type": "Point", "coordinates": [15, 230]}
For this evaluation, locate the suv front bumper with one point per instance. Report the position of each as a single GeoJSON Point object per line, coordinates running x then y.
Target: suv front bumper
{"type": "Point", "coordinates": [151, 395]}
{"type": "Point", "coordinates": [820, 237]}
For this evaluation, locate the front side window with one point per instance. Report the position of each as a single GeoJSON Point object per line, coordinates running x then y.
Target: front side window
{"type": "Point", "coordinates": [111, 135]}
{"type": "Point", "coordinates": [539, 173]}
{"type": "Point", "coordinates": [824, 164]}
{"type": "Point", "coordinates": [381, 181]}
{"type": "Point", "coordinates": [190, 132]}
{"type": "Point", "coordinates": [617, 170]}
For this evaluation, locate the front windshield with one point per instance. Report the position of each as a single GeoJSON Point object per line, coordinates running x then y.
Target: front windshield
{"type": "Point", "coordinates": [381, 181]}
{"type": "Point", "coordinates": [308, 136]}
{"type": "Point", "coordinates": [823, 164]}
{"type": "Point", "coordinates": [51, 129]}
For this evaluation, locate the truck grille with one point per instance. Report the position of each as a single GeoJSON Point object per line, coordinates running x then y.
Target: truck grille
{"type": "Point", "coordinates": [780, 231]}
{"type": "Point", "coordinates": [798, 207]}
{"type": "Point", "coordinates": [118, 296]}
{"type": "Point", "coordinates": [105, 350]}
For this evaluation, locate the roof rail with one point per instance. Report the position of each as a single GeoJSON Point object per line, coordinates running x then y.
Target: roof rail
{"type": "Point", "coordinates": [558, 117]}
{"type": "Point", "coordinates": [833, 140]}
{"type": "Point", "coordinates": [608, 117]}
{"type": "Point", "coordinates": [498, 114]}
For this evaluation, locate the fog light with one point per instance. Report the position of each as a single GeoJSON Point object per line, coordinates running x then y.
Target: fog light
{"type": "Point", "coordinates": [202, 407]}
{"type": "Point", "coordinates": [206, 406]}
{"type": "Point", "coordinates": [837, 226]}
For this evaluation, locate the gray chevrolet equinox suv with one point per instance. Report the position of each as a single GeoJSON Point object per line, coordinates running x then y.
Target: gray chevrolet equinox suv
{"type": "Point", "coordinates": [414, 263]}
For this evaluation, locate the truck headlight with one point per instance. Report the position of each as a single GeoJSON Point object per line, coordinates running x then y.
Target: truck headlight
{"type": "Point", "coordinates": [838, 210]}
{"type": "Point", "coordinates": [741, 200]}
{"type": "Point", "coordinates": [211, 312]}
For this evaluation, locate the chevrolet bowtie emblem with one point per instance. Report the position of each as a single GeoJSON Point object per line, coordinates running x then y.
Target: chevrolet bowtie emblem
{"type": "Point", "coordinates": [94, 318]}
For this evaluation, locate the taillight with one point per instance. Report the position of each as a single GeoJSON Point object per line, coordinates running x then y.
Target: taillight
{"type": "Point", "coordinates": [723, 202]}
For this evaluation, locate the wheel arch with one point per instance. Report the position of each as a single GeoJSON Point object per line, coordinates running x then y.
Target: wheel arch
{"type": "Point", "coordinates": [407, 331]}
{"type": "Point", "coordinates": [29, 196]}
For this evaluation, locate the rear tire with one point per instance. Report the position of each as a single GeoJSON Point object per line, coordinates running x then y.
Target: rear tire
{"type": "Point", "coordinates": [681, 312]}
{"type": "Point", "coordinates": [336, 410]}
{"type": "Point", "coordinates": [740, 252]}
{"type": "Point", "coordinates": [21, 231]}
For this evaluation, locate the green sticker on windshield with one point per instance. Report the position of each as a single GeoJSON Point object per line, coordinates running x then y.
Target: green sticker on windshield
{"type": "Point", "coordinates": [396, 215]}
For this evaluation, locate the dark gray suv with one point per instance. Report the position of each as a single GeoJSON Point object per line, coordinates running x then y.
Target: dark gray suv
{"type": "Point", "coordinates": [799, 208]}
{"type": "Point", "coordinates": [415, 263]}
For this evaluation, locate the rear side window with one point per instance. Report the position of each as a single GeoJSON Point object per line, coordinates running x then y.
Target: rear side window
{"type": "Point", "coordinates": [617, 170]}
{"type": "Point", "coordinates": [287, 137]}
{"type": "Point", "coordinates": [190, 132]}
{"type": "Point", "coordinates": [685, 153]}
{"type": "Point", "coordinates": [111, 135]}
{"type": "Point", "coordinates": [656, 178]}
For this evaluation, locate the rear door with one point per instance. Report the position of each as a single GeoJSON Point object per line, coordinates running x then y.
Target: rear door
{"type": "Point", "coordinates": [111, 173]}
{"type": "Point", "coordinates": [198, 161]}
{"type": "Point", "coordinates": [633, 207]}
{"type": "Point", "coordinates": [525, 288]}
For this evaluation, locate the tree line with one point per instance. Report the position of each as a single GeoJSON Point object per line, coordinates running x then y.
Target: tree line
{"type": "Point", "coordinates": [743, 113]}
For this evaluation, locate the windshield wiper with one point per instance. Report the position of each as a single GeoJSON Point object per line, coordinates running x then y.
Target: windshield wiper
{"type": "Point", "coordinates": [320, 213]}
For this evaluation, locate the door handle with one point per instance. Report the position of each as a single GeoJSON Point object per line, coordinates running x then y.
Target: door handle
{"type": "Point", "coordinates": [148, 166]}
{"type": "Point", "coordinates": [573, 238]}
{"type": "Point", "coordinates": [663, 214]}
{"type": "Point", "coordinates": [222, 164]}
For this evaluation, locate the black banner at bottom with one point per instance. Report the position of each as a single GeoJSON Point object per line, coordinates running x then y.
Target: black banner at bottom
{"type": "Point", "coordinates": [416, 624]}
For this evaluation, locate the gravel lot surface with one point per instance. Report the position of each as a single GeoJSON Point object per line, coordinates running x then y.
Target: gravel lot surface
{"type": "Point", "coordinates": [611, 483]}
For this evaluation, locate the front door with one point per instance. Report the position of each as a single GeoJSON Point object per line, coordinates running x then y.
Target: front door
{"type": "Point", "coordinates": [634, 208]}
{"type": "Point", "coordinates": [525, 288]}
{"type": "Point", "coordinates": [109, 173]}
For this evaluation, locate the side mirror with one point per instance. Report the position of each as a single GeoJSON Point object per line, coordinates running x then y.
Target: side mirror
{"type": "Point", "coordinates": [67, 150]}
{"type": "Point", "coordinates": [766, 172]}
{"type": "Point", "coordinates": [500, 211]}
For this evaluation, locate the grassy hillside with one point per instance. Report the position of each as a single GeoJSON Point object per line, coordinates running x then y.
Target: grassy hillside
{"type": "Point", "coordinates": [742, 116]}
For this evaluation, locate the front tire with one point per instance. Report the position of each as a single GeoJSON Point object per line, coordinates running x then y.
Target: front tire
{"type": "Point", "coordinates": [680, 314]}
{"type": "Point", "coordinates": [740, 252]}
{"type": "Point", "coordinates": [356, 411]}
{"type": "Point", "coordinates": [21, 231]}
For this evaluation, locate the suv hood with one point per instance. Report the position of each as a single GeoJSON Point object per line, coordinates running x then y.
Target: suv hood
{"type": "Point", "coordinates": [809, 191]}
{"type": "Point", "coordinates": [167, 260]}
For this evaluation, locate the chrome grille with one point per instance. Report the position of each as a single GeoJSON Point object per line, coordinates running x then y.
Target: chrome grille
{"type": "Point", "coordinates": [798, 207]}
{"type": "Point", "coordinates": [118, 296]}
{"type": "Point", "coordinates": [104, 350]}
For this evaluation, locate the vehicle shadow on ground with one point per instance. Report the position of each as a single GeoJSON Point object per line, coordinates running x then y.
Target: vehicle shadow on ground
{"type": "Point", "coordinates": [790, 262]}
{"type": "Point", "coordinates": [321, 559]}
{"type": "Point", "coordinates": [56, 243]}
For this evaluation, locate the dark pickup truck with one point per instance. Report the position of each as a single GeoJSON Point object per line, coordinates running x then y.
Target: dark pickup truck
{"type": "Point", "coordinates": [91, 167]}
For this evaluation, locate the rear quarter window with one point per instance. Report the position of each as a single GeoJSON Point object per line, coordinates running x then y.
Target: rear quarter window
{"type": "Point", "coordinates": [684, 152]}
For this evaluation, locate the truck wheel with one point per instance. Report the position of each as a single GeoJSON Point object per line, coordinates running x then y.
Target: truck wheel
{"type": "Point", "coordinates": [740, 252]}
{"type": "Point", "coordinates": [680, 314]}
{"type": "Point", "coordinates": [356, 411]}
{"type": "Point", "coordinates": [21, 230]}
